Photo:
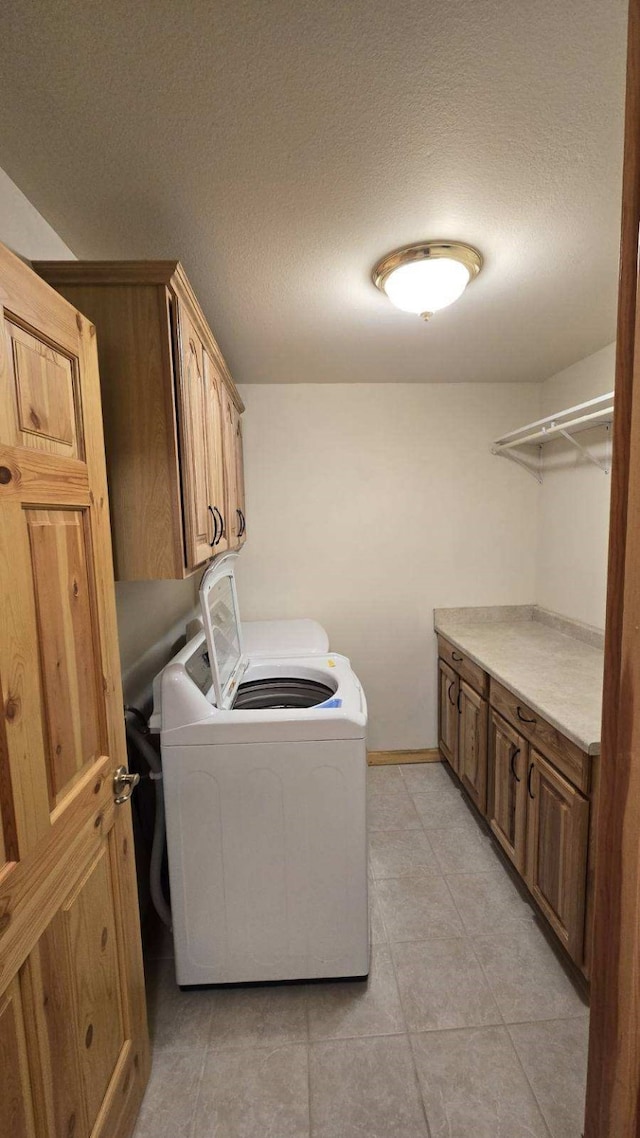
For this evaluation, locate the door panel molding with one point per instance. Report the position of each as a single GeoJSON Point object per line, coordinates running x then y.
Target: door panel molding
{"type": "Point", "coordinates": [613, 1082]}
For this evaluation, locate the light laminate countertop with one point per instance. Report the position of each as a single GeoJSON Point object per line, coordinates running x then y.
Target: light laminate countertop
{"type": "Point", "coordinates": [553, 664]}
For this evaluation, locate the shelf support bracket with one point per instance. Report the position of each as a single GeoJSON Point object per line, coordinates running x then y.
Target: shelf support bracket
{"type": "Point", "coordinates": [586, 453]}
{"type": "Point", "coordinates": [517, 458]}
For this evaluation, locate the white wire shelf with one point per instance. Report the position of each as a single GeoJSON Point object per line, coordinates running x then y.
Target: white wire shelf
{"type": "Point", "coordinates": [564, 424]}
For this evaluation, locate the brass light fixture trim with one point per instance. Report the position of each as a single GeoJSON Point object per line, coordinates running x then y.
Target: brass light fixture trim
{"type": "Point", "coordinates": [427, 251]}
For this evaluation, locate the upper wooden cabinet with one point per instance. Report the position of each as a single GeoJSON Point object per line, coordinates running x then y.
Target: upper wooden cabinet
{"type": "Point", "coordinates": [235, 472]}
{"type": "Point", "coordinates": [172, 424]}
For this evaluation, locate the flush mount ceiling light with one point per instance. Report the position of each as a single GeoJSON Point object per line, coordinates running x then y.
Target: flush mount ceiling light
{"type": "Point", "coordinates": [427, 277]}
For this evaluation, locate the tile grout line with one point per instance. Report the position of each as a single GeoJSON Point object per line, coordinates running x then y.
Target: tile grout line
{"type": "Point", "coordinates": [487, 981]}
{"type": "Point", "coordinates": [205, 1052]}
{"type": "Point", "coordinates": [309, 1077]}
{"type": "Point", "coordinates": [408, 1037]}
{"type": "Point", "coordinates": [528, 1082]}
{"type": "Point", "coordinates": [418, 1084]}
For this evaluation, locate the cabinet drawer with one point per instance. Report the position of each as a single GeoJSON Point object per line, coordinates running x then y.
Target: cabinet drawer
{"type": "Point", "coordinates": [565, 755]}
{"type": "Point", "coordinates": [465, 667]}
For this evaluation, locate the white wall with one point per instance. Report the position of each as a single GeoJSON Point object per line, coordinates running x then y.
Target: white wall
{"type": "Point", "coordinates": [25, 230]}
{"type": "Point", "coordinates": [574, 500]}
{"type": "Point", "coordinates": [368, 506]}
{"type": "Point", "coordinates": [150, 614]}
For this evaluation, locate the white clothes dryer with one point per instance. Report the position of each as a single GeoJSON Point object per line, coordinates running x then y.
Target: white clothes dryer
{"type": "Point", "coordinates": [263, 639]}
{"type": "Point", "coordinates": [264, 767]}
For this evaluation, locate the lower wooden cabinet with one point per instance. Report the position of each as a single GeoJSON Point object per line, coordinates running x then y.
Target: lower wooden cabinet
{"type": "Point", "coordinates": [542, 824]}
{"type": "Point", "coordinates": [507, 807]}
{"type": "Point", "coordinates": [462, 732]}
{"type": "Point", "coordinates": [472, 744]}
{"type": "Point", "coordinates": [537, 805]}
{"type": "Point", "coordinates": [557, 839]}
{"type": "Point", "coordinates": [448, 691]}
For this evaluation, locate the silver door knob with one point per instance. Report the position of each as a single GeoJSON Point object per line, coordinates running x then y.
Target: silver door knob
{"type": "Point", "coordinates": [124, 785]}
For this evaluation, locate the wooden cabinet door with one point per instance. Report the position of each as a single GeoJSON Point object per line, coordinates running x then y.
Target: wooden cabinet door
{"type": "Point", "coordinates": [557, 837]}
{"type": "Point", "coordinates": [216, 464]}
{"type": "Point", "coordinates": [234, 472]}
{"type": "Point", "coordinates": [241, 508]}
{"type": "Point", "coordinates": [507, 799]}
{"type": "Point", "coordinates": [448, 716]}
{"type": "Point", "coordinates": [193, 413]}
{"type": "Point", "coordinates": [472, 744]}
{"type": "Point", "coordinates": [74, 1055]}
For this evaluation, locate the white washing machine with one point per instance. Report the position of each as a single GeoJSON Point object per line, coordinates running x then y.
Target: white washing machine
{"type": "Point", "coordinates": [264, 764]}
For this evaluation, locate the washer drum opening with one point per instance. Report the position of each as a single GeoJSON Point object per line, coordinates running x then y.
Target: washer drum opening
{"type": "Point", "coordinates": [281, 692]}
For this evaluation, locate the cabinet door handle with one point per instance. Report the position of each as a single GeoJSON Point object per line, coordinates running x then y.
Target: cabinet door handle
{"type": "Point", "coordinates": [221, 520]}
{"type": "Point", "coordinates": [450, 689]}
{"type": "Point", "coordinates": [216, 538]}
{"type": "Point", "coordinates": [243, 524]}
{"type": "Point", "coordinates": [458, 659]}
{"type": "Point", "coordinates": [529, 792]}
{"type": "Point", "coordinates": [458, 702]}
{"type": "Point", "coordinates": [512, 762]}
{"type": "Point", "coordinates": [523, 718]}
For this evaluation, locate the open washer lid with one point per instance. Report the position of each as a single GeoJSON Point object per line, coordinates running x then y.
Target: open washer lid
{"type": "Point", "coordinates": [221, 619]}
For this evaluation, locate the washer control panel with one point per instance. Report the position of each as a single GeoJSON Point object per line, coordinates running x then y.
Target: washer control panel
{"type": "Point", "coordinates": [199, 669]}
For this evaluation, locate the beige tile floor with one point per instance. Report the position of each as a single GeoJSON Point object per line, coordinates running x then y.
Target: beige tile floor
{"type": "Point", "coordinates": [469, 1026]}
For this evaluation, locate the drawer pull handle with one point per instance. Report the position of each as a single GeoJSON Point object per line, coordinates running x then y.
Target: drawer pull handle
{"type": "Point", "coordinates": [450, 689]}
{"type": "Point", "coordinates": [514, 754]}
{"type": "Point", "coordinates": [523, 718]}
{"type": "Point", "coordinates": [458, 659]}
{"type": "Point", "coordinates": [531, 795]}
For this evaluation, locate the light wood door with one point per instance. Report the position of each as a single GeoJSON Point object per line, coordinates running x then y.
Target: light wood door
{"type": "Point", "coordinates": [507, 805]}
{"type": "Point", "coordinates": [74, 1055]}
{"type": "Point", "coordinates": [472, 744]}
{"type": "Point", "coordinates": [557, 836]}
{"type": "Point", "coordinates": [234, 471]}
{"type": "Point", "coordinates": [448, 716]}
{"type": "Point", "coordinates": [194, 416]}
{"type": "Point", "coordinates": [215, 461]}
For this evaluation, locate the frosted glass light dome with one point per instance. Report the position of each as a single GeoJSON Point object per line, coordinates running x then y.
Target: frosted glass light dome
{"type": "Point", "coordinates": [425, 278]}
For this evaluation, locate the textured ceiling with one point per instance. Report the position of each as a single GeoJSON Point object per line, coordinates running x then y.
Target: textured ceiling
{"type": "Point", "coordinates": [279, 147]}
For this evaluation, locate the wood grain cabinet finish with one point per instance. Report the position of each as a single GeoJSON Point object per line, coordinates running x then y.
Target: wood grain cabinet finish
{"type": "Point", "coordinates": [557, 836]}
{"type": "Point", "coordinates": [472, 744]}
{"type": "Point", "coordinates": [448, 691]}
{"type": "Point", "coordinates": [507, 810]}
{"type": "Point", "coordinates": [463, 666]}
{"type": "Point", "coordinates": [462, 719]}
{"type": "Point", "coordinates": [233, 447]}
{"type": "Point", "coordinates": [542, 824]}
{"type": "Point", "coordinates": [175, 469]}
{"type": "Point", "coordinates": [565, 755]}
